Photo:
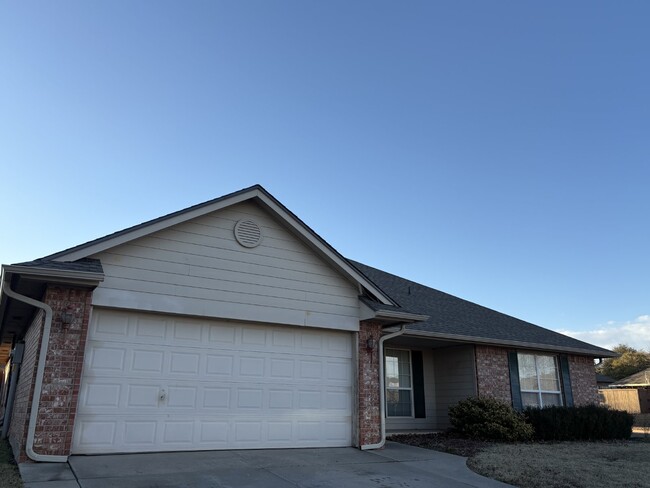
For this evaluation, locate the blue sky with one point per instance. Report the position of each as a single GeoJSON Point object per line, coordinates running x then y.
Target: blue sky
{"type": "Point", "coordinates": [498, 151]}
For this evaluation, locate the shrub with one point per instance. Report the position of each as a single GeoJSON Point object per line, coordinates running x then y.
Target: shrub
{"type": "Point", "coordinates": [489, 419]}
{"type": "Point", "coordinates": [591, 422]}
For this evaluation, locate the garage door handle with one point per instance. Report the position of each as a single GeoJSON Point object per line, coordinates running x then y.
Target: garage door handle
{"type": "Point", "coordinates": [162, 396]}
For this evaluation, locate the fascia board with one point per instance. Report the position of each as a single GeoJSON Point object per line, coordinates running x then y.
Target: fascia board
{"type": "Point", "coordinates": [367, 313]}
{"type": "Point", "coordinates": [325, 250]}
{"type": "Point", "coordinates": [55, 274]}
{"type": "Point", "coordinates": [405, 316]}
{"type": "Point", "coordinates": [501, 342]}
{"type": "Point", "coordinates": [155, 226]}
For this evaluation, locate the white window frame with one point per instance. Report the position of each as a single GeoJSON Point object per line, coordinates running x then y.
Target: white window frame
{"type": "Point", "coordinates": [539, 391]}
{"type": "Point", "coordinates": [398, 388]}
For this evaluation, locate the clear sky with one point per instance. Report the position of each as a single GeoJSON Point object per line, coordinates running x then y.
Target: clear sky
{"type": "Point", "coordinates": [498, 151]}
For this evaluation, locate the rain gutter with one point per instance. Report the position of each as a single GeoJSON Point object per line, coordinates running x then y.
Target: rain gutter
{"type": "Point", "coordinates": [382, 391]}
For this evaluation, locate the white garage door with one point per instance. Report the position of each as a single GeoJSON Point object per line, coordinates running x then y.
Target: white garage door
{"type": "Point", "coordinates": [159, 383]}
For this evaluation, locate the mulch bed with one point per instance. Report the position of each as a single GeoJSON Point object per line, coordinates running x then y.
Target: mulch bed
{"type": "Point", "coordinates": [443, 441]}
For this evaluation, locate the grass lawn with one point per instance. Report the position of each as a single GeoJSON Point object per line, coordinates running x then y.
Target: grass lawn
{"type": "Point", "coordinates": [549, 465]}
{"type": "Point", "coordinates": [575, 464]}
{"type": "Point", "coordinates": [9, 476]}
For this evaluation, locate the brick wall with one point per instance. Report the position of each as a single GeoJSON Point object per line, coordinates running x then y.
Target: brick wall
{"type": "Point", "coordinates": [493, 377]}
{"type": "Point", "coordinates": [492, 373]}
{"type": "Point", "coordinates": [369, 413]}
{"type": "Point", "coordinates": [583, 380]}
{"type": "Point", "coordinates": [25, 388]}
{"type": "Point", "coordinates": [62, 374]}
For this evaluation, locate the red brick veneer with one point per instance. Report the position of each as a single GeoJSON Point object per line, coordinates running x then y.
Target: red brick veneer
{"type": "Point", "coordinates": [369, 412]}
{"type": "Point", "coordinates": [492, 373]}
{"type": "Point", "coordinates": [25, 388]}
{"type": "Point", "coordinates": [583, 380]}
{"type": "Point", "coordinates": [62, 377]}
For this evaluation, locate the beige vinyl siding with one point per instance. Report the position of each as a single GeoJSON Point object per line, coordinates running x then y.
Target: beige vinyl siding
{"type": "Point", "coordinates": [428, 423]}
{"type": "Point", "coordinates": [455, 379]}
{"type": "Point", "coordinates": [198, 268]}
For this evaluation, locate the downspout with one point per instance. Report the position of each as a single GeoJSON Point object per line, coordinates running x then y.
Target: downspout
{"type": "Point", "coordinates": [38, 383]}
{"type": "Point", "coordinates": [16, 360]}
{"type": "Point", "coordinates": [382, 390]}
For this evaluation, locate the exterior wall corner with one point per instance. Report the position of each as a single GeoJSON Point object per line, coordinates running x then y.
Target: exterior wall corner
{"type": "Point", "coordinates": [369, 395]}
{"type": "Point", "coordinates": [61, 378]}
{"type": "Point", "coordinates": [583, 380]}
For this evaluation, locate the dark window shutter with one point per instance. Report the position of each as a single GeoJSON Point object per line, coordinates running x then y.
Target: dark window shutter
{"type": "Point", "coordinates": [515, 389]}
{"type": "Point", "coordinates": [566, 380]}
{"type": "Point", "coordinates": [419, 407]}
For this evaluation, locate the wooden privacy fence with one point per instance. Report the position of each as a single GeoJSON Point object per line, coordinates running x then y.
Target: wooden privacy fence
{"type": "Point", "coordinates": [631, 400]}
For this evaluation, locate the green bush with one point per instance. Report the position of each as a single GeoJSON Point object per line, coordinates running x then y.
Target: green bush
{"type": "Point", "coordinates": [591, 422]}
{"type": "Point", "coordinates": [489, 419]}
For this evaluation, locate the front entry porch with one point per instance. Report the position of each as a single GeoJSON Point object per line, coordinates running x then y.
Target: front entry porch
{"type": "Point", "coordinates": [424, 377]}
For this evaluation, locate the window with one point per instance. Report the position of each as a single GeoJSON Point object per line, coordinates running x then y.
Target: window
{"type": "Point", "coordinates": [399, 386]}
{"type": "Point", "coordinates": [539, 380]}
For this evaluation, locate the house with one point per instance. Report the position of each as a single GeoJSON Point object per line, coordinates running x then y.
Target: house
{"type": "Point", "coordinates": [231, 324]}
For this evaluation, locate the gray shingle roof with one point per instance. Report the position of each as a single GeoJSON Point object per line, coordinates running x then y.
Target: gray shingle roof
{"type": "Point", "coordinates": [449, 315]}
{"type": "Point", "coordinates": [86, 265]}
{"type": "Point", "coordinates": [637, 379]}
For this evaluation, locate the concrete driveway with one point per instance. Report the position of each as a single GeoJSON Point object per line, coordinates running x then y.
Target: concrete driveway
{"type": "Point", "coordinates": [395, 466]}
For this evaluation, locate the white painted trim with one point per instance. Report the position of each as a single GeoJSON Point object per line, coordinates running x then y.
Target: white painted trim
{"type": "Point", "coordinates": [69, 276]}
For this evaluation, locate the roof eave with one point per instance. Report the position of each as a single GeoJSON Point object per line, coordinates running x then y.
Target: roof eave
{"type": "Point", "coordinates": [504, 342]}
{"type": "Point", "coordinates": [402, 317]}
{"type": "Point", "coordinates": [54, 275]}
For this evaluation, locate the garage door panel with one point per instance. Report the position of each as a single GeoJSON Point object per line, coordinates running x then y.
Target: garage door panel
{"type": "Point", "coordinates": [100, 395]}
{"type": "Point", "coordinates": [137, 397]}
{"type": "Point", "coordinates": [140, 329]}
{"type": "Point", "coordinates": [142, 434]}
{"type": "Point", "coordinates": [109, 325]}
{"type": "Point", "coordinates": [155, 383]}
{"type": "Point", "coordinates": [106, 358]}
{"type": "Point", "coordinates": [147, 361]}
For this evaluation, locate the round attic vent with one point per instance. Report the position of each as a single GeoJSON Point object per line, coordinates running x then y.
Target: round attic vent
{"type": "Point", "coordinates": [248, 233]}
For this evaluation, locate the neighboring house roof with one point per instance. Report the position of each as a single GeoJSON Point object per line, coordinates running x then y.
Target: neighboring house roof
{"type": "Point", "coordinates": [601, 378]}
{"type": "Point", "coordinates": [454, 318]}
{"type": "Point", "coordinates": [642, 378]}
